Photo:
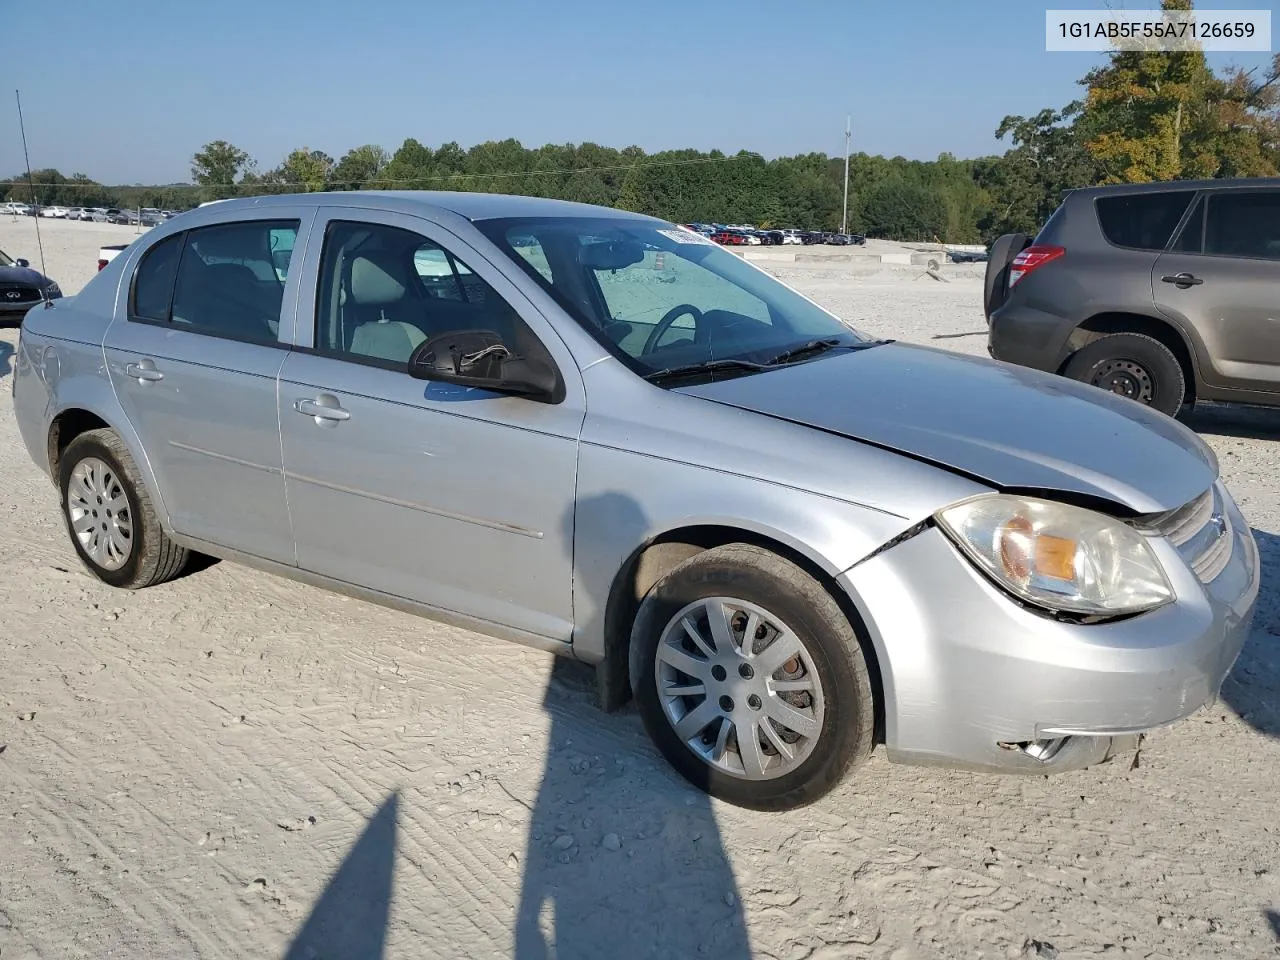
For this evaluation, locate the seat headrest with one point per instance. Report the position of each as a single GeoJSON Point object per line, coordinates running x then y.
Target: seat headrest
{"type": "Point", "coordinates": [373, 282]}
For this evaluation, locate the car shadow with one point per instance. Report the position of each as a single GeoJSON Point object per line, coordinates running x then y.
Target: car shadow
{"type": "Point", "coordinates": [1273, 918]}
{"type": "Point", "coordinates": [624, 858]}
{"type": "Point", "coordinates": [6, 355]}
{"type": "Point", "coordinates": [349, 920]}
{"type": "Point", "coordinates": [1252, 689]}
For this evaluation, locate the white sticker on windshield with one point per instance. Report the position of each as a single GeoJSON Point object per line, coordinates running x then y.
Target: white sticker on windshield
{"type": "Point", "coordinates": [685, 236]}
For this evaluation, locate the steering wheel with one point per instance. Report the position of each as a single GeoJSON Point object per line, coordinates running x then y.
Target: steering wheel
{"type": "Point", "coordinates": [667, 320]}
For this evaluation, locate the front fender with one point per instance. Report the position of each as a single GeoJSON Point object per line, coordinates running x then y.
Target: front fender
{"type": "Point", "coordinates": [627, 501]}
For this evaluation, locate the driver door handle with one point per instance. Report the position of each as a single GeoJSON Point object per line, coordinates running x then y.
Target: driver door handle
{"type": "Point", "coordinates": [320, 410]}
{"type": "Point", "coordinates": [1183, 280]}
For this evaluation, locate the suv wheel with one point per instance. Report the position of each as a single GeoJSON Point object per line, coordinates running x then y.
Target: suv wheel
{"type": "Point", "coordinates": [1132, 365]}
{"type": "Point", "coordinates": [750, 679]}
{"type": "Point", "coordinates": [109, 515]}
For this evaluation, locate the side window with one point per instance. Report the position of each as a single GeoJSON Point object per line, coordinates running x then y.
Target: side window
{"type": "Point", "coordinates": [1244, 225]}
{"type": "Point", "coordinates": [384, 290]}
{"type": "Point", "coordinates": [1142, 221]}
{"type": "Point", "coordinates": [153, 282]}
{"type": "Point", "coordinates": [230, 283]}
{"type": "Point", "coordinates": [1191, 240]}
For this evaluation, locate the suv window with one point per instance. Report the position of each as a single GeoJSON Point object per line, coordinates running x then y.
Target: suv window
{"type": "Point", "coordinates": [384, 290]}
{"type": "Point", "coordinates": [153, 283]}
{"type": "Point", "coordinates": [1142, 221]}
{"type": "Point", "coordinates": [1244, 224]}
{"type": "Point", "coordinates": [228, 281]}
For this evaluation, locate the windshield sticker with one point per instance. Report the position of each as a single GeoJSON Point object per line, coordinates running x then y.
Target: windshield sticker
{"type": "Point", "coordinates": [685, 236]}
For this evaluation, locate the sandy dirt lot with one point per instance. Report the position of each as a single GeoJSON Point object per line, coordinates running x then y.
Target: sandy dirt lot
{"type": "Point", "coordinates": [235, 765]}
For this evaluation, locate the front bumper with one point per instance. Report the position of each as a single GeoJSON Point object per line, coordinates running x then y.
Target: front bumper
{"type": "Point", "coordinates": [968, 675]}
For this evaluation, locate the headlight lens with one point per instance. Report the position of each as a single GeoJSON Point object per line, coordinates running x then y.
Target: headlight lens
{"type": "Point", "coordinates": [1059, 557]}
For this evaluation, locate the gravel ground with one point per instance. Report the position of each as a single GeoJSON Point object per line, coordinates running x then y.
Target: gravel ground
{"type": "Point", "coordinates": [236, 765]}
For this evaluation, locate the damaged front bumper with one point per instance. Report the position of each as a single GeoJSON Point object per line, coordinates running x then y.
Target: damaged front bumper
{"type": "Point", "coordinates": [973, 680]}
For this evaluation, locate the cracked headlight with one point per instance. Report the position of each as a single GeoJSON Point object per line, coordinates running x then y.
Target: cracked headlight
{"type": "Point", "coordinates": [1058, 557]}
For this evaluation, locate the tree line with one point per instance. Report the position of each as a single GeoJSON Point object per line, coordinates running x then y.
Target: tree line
{"type": "Point", "coordinates": [1143, 117]}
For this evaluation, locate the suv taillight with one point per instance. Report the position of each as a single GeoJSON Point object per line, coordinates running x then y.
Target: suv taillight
{"type": "Point", "coordinates": [1032, 258]}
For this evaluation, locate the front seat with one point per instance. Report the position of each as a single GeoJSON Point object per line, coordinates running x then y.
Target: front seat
{"type": "Point", "coordinates": [375, 289]}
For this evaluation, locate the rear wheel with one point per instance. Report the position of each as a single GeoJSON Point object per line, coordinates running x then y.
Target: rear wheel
{"type": "Point", "coordinates": [1132, 365]}
{"type": "Point", "coordinates": [750, 679]}
{"type": "Point", "coordinates": [109, 515]}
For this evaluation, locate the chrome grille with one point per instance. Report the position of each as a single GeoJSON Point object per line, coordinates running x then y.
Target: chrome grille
{"type": "Point", "coordinates": [1200, 531]}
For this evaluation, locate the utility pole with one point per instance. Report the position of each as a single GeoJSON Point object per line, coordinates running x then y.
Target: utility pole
{"type": "Point", "coordinates": [844, 217]}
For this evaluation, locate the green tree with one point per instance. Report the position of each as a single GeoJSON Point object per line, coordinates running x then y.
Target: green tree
{"type": "Point", "coordinates": [359, 168]}
{"type": "Point", "coordinates": [900, 210]}
{"type": "Point", "coordinates": [216, 165]}
{"type": "Point", "coordinates": [305, 170]}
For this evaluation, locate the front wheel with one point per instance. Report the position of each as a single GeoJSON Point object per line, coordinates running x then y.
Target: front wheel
{"type": "Point", "coordinates": [1132, 365]}
{"type": "Point", "coordinates": [750, 679]}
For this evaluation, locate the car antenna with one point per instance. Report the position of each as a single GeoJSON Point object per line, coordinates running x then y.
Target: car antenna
{"type": "Point", "coordinates": [31, 184]}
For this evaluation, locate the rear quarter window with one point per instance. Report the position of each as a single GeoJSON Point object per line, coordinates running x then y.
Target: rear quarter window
{"type": "Point", "coordinates": [1142, 221]}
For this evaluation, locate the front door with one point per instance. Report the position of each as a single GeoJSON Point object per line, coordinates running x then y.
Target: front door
{"type": "Point", "coordinates": [452, 497]}
{"type": "Point", "coordinates": [195, 366]}
{"type": "Point", "coordinates": [1221, 278]}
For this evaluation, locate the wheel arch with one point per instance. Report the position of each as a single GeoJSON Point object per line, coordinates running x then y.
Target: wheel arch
{"type": "Point", "coordinates": [1164, 331]}
{"type": "Point", "coordinates": [76, 418]}
{"type": "Point", "coordinates": [663, 552]}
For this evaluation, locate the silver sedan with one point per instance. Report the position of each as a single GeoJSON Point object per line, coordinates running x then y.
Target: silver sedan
{"type": "Point", "coordinates": [602, 435]}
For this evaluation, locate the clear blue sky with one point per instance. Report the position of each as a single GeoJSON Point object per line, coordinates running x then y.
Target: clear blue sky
{"type": "Point", "coordinates": [127, 90]}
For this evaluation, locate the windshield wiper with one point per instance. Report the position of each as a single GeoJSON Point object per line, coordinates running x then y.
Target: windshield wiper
{"type": "Point", "coordinates": [810, 349]}
{"type": "Point", "coordinates": [707, 366]}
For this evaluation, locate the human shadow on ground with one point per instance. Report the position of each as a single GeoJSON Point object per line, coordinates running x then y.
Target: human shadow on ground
{"type": "Point", "coordinates": [624, 858]}
{"type": "Point", "coordinates": [350, 918]}
{"type": "Point", "coordinates": [1273, 918]}
{"type": "Point", "coordinates": [1252, 689]}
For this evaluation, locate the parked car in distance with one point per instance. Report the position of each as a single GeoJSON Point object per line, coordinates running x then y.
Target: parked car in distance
{"type": "Point", "coordinates": [16, 209]}
{"type": "Point", "coordinates": [109, 252]}
{"type": "Point", "coordinates": [729, 238]}
{"type": "Point", "coordinates": [21, 288]}
{"type": "Point", "coordinates": [75, 213]}
{"type": "Point", "coordinates": [99, 215]}
{"type": "Point", "coordinates": [1165, 293]}
{"type": "Point", "coordinates": [56, 213]}
{"type": "Point", "coordinates": [786, 539]}
{"type": "Point", "coordinates": [967, 256]}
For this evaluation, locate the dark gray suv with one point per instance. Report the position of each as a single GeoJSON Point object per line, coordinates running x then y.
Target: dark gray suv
{"type": "Point", "coordinates": [1166, 293]}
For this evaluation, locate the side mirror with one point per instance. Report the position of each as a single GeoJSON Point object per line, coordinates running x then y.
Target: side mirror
{"type": "Point", "coordinates": [22, 263]}
{"type": "Point", "coordinates": [480, 359]}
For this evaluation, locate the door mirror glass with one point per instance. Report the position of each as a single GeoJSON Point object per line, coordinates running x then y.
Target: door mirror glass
{"type": "Point", "coordinates": [479, 358]}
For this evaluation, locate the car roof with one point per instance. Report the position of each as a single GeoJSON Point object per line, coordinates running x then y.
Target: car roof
{"type": "Point", "coordinates": [1235, 183]}
{"type": "Point", "coordinates": [471, 206]}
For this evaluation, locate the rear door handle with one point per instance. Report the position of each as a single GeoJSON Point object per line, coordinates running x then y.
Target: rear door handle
{"type": "Point", "coordinates": [1183, 280]}
{"type": "Point", "coordinates": [324, 407]}
{"type": "Point", "coordinates": [144, 371]}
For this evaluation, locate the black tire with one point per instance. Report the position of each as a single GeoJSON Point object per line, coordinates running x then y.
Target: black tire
{"type": "Point", "coordinates": [996, 282]}
{"type": "Point", "coordinates": [1132, 365]}
{"type": "Point", "coordinates": [152, 558]}
{"type": "Point", "coordinates": [747, 573]}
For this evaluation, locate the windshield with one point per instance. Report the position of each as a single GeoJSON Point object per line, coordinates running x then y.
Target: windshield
{"type": "Point", "coordinates": [659, 297]}
{"type": "Point", "coordinates": [4, 260]}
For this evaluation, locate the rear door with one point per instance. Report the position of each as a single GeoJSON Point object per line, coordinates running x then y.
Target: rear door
{"type": "Point", "coordinates": [194, 354]}
{"type": "Point", "coordinates": [452, 497]}
{"type": "Point", "coordinates": [1221, 277]}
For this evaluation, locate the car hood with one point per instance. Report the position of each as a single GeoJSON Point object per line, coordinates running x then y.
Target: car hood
{"type": "Point", "coordinates": [23, 275]}
{"type": "Point", "coordinates": [1010, 427]}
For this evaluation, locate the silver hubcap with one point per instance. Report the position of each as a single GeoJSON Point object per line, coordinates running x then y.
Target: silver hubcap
{"type": "Point", "coordinates": [739, 688]}
{"type": "Point", "coordinates": [99, 511]}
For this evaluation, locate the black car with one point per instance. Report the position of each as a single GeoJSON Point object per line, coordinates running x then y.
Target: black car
{"type": "Point", "coordinates": [21, 288]}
